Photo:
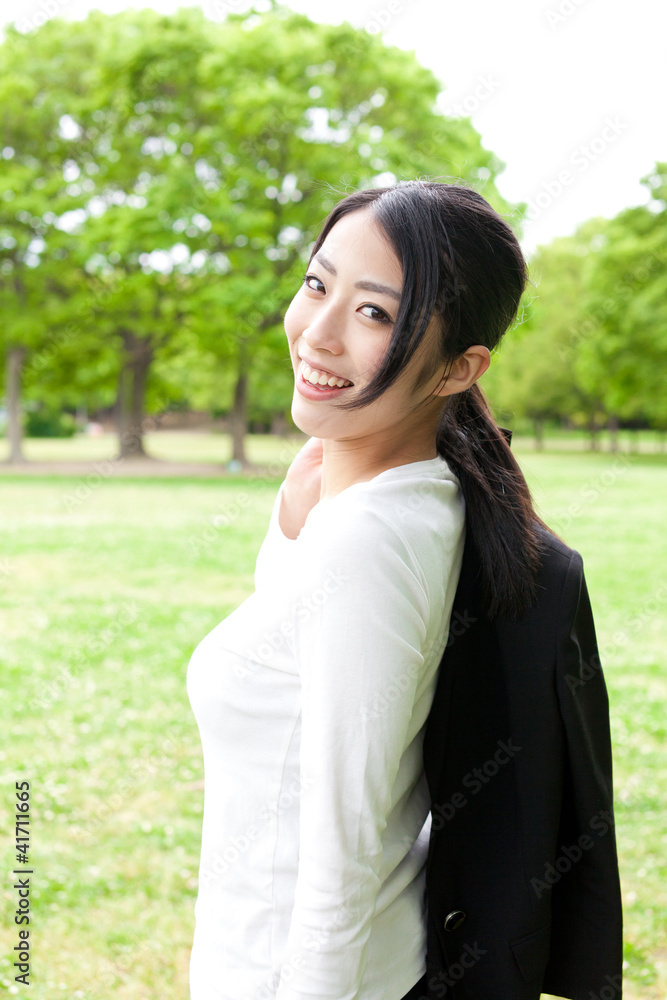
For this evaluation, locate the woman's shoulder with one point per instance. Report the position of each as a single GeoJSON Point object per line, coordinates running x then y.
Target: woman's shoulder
{"type": "Point", "coordinates": [418, 508]}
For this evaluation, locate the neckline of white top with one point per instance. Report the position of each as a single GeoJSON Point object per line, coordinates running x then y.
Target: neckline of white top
{"type": "Point", "coordinates": [396, 470]}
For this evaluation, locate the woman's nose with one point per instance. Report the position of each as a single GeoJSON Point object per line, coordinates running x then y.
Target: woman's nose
{"type": "Point", "coordinates": [324, 330]}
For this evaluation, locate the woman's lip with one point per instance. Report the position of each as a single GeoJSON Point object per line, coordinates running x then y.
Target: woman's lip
{"type": "Point", "coordinates": [318, 369]}
{"type": "Point", "coordinates": [310, 392]}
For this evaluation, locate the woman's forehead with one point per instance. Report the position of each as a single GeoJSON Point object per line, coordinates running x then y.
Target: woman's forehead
{"type": "Point", "coordinates": [358, 241]}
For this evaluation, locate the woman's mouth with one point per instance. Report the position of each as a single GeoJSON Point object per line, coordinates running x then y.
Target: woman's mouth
{"type": "Point", "coordinates": [317, 391]}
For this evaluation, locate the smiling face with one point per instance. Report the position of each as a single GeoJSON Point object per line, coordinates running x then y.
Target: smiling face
{"type": "Point", "coordinates": [340, 322]}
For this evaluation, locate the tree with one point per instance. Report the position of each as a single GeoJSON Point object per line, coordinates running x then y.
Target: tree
{"type": "Point", "coordinates": [210, 154]}
{"type": "Point", "coordinates": [536, 377]}
{"type": "Point", "coordinates": [625, 356]}
{"type": "Point", "coordinates": [594, 345]}
{"type": "Point", "coordinates": [35, 148]}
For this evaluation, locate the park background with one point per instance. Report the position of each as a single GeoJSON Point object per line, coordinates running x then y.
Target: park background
{"type": "Point", "coordinates": [162, 177]}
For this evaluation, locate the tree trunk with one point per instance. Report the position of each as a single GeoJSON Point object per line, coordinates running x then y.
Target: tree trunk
{"type": "Point", "coordinates": [81, 417]}
{"type": "Point", "coordinates": [593, 431]}
{"type": "Point", "coordinates": [15, 361]}
{"type": "Point", "coordinates": [132, 380]}
{"type": "Point", "coordinates": [279, 425]}
{"type": "Point", "coordinates": [613, 433]}
{"type": "Point", "coordinates": [538, 429]}
{"type": "Point", "coordinates": [238, 418]}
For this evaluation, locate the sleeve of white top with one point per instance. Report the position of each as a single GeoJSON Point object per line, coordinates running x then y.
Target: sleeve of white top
{"type": "Point", "coordinates": [359, 636]}
{"type": "Point", "coordinates": [274, 536]}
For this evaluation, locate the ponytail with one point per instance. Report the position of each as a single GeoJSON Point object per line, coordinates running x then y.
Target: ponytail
{"type": "Point", "coordinates": [500, 518]}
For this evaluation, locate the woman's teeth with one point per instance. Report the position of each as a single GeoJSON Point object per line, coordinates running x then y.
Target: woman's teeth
{"type": "Point", "coordinates": [321, 378]}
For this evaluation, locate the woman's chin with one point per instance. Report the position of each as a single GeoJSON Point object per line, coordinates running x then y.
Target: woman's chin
{"type": "Point", "coordinates": [304, 419]}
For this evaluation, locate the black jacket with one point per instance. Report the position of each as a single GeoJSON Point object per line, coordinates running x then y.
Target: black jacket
{"type": "Point", "coordinates": [522, 880]}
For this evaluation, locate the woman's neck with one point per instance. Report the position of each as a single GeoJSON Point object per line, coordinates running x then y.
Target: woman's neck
{"type": "Point", "coordinates": [345, 466]}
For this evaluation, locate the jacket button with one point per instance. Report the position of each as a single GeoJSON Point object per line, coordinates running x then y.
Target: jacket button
{"type": "Point", "coordinates": [454, 920]}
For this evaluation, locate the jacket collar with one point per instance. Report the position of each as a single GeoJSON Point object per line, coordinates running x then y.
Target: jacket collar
{"type": "Point", "coordinates": [507, 433]}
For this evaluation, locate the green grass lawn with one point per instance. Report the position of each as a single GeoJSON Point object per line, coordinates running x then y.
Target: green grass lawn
{"type": "Point", "coordinates": [106, 592]}
{"type": "Point", "coordinates": [204, 446]}
{"type": "Point", "coordinates": [172, 446]}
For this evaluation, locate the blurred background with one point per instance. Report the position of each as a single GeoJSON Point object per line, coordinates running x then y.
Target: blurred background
{"type": "Point", "coordinates": [164, 170]}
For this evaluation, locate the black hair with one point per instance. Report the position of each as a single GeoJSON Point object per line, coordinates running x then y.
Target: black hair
{"type": "Point", "coordinates": [463, 264]}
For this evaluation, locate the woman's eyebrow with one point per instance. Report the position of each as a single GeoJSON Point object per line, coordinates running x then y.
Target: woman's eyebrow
{"type": "Point", "coordinates": [367, 286]}
{"type": "Point", "coordinates": [325, 262]}
{"type": "Point", "coordinates": [373, 286]}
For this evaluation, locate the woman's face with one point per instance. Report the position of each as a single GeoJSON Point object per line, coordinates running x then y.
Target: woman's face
{"type": "Point", "coordinates": [341, 320]}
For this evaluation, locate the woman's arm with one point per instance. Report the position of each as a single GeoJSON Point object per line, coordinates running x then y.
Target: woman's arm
{"type": "Point", "coordinates": [359, 638]}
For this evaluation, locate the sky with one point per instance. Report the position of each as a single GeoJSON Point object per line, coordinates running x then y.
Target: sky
{"type": "Point", "coordinates": [569, 94]}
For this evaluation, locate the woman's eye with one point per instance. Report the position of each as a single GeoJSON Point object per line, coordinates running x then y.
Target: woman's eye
{"type": "Point", "coordinates": [377, 314]}
{"type": "Point", "coordinates": [313, 282]}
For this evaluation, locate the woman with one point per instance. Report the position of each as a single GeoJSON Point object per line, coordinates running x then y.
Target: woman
{"type": "Point", "coordinates": [312, 697]}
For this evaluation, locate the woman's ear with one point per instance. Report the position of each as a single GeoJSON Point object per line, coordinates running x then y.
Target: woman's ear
{"type": "Point", "coordinates": [466, 369]}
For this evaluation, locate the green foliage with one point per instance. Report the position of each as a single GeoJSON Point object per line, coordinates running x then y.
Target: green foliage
{"type": "Point", "coordinates": [625, 352]}
{"type": "Point", "coordinates": [164, 177]}
{"type": "Point", "coordinates": [533, 375]}
{"type": "Point", "coordinates": [47, 422]}
{"type": "Point", "coordinates": [175, 171]}
{"type": "Point", "coordinates": [593, 345]}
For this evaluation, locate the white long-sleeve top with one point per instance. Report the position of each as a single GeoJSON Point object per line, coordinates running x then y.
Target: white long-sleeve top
{"type": "Point", "coordinates": [311, 700]}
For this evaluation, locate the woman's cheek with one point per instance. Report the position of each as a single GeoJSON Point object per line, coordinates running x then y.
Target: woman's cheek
{"type": "Point", "coordinates": [293, 319]}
